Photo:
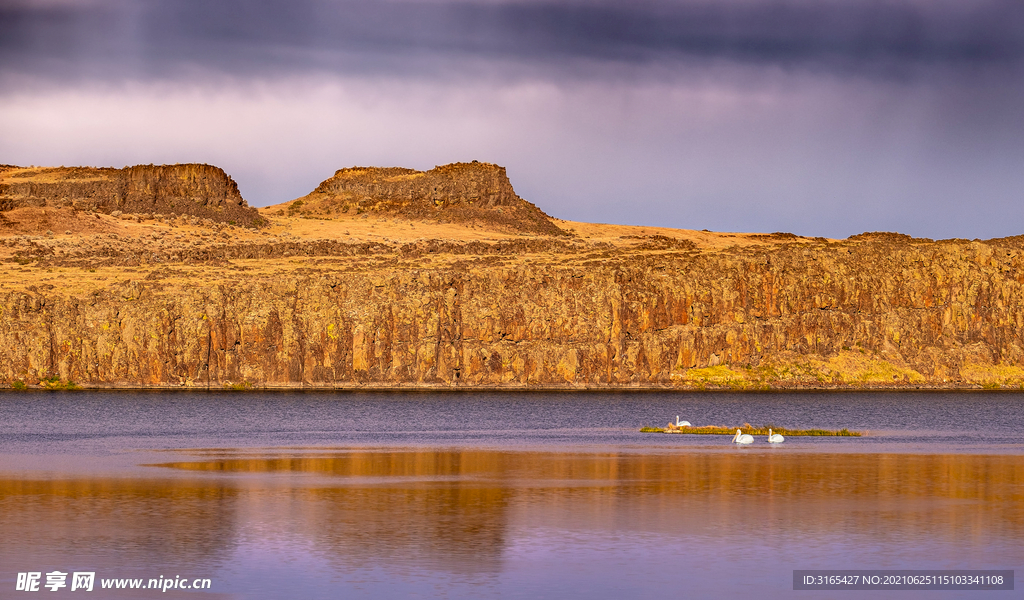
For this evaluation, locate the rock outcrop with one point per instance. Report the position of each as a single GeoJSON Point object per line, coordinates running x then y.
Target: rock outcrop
{"type": "Point", "coordinates": [470, 193]}
{"type": "Point", "coordinates": [177, 295]}
{"type": "Point", "coordinates": [201, 191]}
{"type": "Point", "coordinates": [872, 311]}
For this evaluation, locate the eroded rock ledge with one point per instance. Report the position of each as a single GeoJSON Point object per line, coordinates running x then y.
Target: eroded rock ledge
{"type": "Point", "coordinates": [471, 193]}
{"type": "Point", "coordinates": [196, 190]}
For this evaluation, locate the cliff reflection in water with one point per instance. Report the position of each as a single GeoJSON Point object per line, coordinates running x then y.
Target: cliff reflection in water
{"type": "Point", "coordinates": [443, 509]}
{"type": "Point", "coordinates": [459, 509]}
{"type": "Point", "coordinates": [115, 521]}
{"type": "Point", "coordinates": [473, 511]}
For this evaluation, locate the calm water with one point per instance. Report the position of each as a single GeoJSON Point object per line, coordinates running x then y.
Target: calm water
{"type": "Point", "coordinates": [303, 495]}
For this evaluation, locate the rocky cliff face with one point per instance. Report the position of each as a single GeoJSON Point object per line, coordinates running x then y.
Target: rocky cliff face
{"type": "Point", "coordinates": [459, 193]}
{"type": "Point", "coordinates": [872, 311]}
{"type": "Point", "coordinates": [201, 191]}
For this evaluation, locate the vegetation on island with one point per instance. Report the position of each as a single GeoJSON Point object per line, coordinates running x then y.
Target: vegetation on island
{"type": "Point", "coordinates": [747, 428]}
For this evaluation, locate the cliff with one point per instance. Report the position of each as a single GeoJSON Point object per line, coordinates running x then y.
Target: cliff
{"type": "Point", "coordinates": [418, 280]}
{"type": "Point", "coordinates": [201, 191]}
{"type": "Point", "coordinates": [468, 193]}
{"type": "Point", "coordinates": [652, 309]}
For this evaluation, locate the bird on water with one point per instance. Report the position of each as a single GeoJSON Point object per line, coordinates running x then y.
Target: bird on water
{"type": "Point", "coordinates": [742, 438]}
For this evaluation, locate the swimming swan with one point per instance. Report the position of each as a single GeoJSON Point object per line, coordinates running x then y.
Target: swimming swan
{"type": "Point", "coordinates": [681, 423]}
{"type": "Point", "coordinates": [743, 438]}
{"type": "Point", "coordinates": [775, 439]}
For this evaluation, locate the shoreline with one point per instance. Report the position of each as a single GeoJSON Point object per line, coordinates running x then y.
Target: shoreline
{"type": "Point", "coordinates": [431, 388]}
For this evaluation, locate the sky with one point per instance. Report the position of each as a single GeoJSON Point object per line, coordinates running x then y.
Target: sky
{"type": "Point", "coordinates": [816, 117]}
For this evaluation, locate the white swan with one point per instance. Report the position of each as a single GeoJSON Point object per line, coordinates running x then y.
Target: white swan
{"type": "Point", "coordinates": [776, 438]}
{"type": "Point", "coordinates": [743, 438]}
{"type": "Point", "coordinates": [681, 423]}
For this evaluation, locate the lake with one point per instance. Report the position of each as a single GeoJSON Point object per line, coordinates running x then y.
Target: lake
{"type": "Point", "coordinates": [502, 495]}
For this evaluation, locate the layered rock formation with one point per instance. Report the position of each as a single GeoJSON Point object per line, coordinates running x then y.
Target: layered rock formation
{"type": "Point", "coordinates": [775, 312]}
{"type": "Point", "coordinates": [376, 293]}
{"type": "Point", "coordinates": [473, 192]}
{"type": "Point", "coordinates": [201, 191]}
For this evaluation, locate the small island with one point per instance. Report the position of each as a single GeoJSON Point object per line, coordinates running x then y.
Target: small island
{"type": "Point", "coordinates": [748, 428]}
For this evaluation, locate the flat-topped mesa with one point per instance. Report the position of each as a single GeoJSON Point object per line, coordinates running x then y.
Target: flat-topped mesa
{"type": "Point", "coordinates": [197, 190]}
{"type": "Point", "coordinates": [471, 193]}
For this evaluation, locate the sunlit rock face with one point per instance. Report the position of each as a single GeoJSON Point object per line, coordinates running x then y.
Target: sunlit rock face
{"type": "Point", "coordinates": [198, 190]}
{"type": "Point", "coordinates": [402, 278]}
{"type": "Point", "coordinates": [865, 312]}
{"type": "Point", "coordinates": [458, 193]}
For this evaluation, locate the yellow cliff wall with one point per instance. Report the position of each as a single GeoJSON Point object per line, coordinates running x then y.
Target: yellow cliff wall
{"type": "Point", "coordinates": [868, 312]}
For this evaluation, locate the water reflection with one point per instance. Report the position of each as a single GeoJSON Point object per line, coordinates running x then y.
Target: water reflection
{"type": "Point", "coordinates": [459, 507]}
{"type": "Point", "coordinates": [115, 521]}
{"type": "Point", "coordinates": [623, 520]}
{"type": "Point", "coordinates": [712, 474]}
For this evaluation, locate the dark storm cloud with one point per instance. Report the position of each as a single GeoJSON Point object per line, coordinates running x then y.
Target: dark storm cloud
{"type": "Point", "coordinates": [157, 37]}
{"type": "Point", "coordinates": [822, 117]}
